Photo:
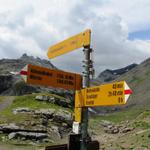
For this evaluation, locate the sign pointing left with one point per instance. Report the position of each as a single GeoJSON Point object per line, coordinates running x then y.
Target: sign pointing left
{"type": "Point", "coordinates": [23, 73]}
{"type": "Point", "coordinates": [41, 76]}
{"type": "Point", "coordinates": [82, 39]}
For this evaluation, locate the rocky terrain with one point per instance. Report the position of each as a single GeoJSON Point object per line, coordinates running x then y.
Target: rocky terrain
{"type": "Point", "coordinates": [38, 118]}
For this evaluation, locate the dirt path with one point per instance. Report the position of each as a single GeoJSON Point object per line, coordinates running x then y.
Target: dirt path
{"type": "Point", "coordinates": [6, 102]}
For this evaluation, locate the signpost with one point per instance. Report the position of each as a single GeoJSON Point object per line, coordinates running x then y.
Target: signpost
{"type": "Point", "coordinates": [80, 40]}
{"type": "Point", "coordinates": [109, 94]}
{"type": "Point", "coordinates": [41, 76]}
{"type": "Point", "coordinates": [115, 93]}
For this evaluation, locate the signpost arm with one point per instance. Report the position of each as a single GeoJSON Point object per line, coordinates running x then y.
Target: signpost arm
{"type": "Point", "coordinates": [86, 83]}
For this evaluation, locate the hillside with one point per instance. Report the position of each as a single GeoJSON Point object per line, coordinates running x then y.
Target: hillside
{"type": "Point", "coordinates": [139, 81]}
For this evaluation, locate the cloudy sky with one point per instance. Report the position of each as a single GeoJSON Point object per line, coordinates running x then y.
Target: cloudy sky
{"type": "Point", "coordinates": [120, 30]}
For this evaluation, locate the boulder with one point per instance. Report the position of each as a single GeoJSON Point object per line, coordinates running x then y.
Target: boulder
{"type": "Point", "coordinates": [111, 129]}
{"type": "Point", "coordinates": [105, 123]}
{"type": "Point", "coordinates": [127, 129]}
{"type": "Point", "coordinates": [23, 110]}
{"type": "Point", "coordinates": [9, 128]}
{"type": "Point", "coordinates": [63, 116]}
{"type": "Point", "coordinates": [12, 135]}
{"type": "Point", "coordinates": [63, 102]}
{"type": "Point", "coordinates": [54, 132]}
{"type": "Point", "coordinates": [42, 97]}
{"type": "Point", "coordinates": [5, 82]}
{"type": "Point", "coordinates": [48, 113]}
{"type": "Point", "coordinates": [54, 100]}
{"type": "Point", "coordinates": [27, 135]}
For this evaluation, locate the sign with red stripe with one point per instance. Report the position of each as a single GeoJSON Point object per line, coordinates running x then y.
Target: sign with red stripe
{"type": "Point", "coordinates": [23, 73]}
{"type": "Point", "coordinates": [36, 75]}
{"type": "Point", "coordinates": [116, 93]}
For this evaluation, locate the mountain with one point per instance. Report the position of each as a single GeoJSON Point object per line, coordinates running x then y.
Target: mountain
{"type": "Point", "coordinates": [15, 65]}
{"type": "Point", "coordinates": [12, 84]}
{"type": "Point", "coordinates": [109, 75]}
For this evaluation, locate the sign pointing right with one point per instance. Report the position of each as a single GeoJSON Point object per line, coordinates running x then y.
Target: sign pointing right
{"type": "Point", "coordinates": [116, 93]}
{"type": "Point", "coordinates": [127, 91]}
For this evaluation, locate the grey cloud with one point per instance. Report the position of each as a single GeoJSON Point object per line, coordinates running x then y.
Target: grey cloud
{"type": "Point", "coordinates": [9, 49]}
{"type": "Point", "coordinates": [112, 49]}
{"type": "Point", "coordinates": [14, 19]}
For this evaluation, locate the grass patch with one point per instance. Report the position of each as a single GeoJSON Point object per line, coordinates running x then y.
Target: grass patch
{"type": "Point", "coordinates": [136, 79]}
{"type": "Point", "coordinates": [1, 99]}
{"type": "Point", "coordinates": [147, 73]}
{"type": "Point", "coordinates": [117, 117]}
{"type": "Point", "coordinates": [141, 124]}
{"type": "Point", "coordinates": [29, 102]}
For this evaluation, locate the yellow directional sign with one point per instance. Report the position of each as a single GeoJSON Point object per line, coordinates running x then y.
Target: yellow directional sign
{"type": "Point", "coordinates": [108, 94]}
{"type": "Point", "coordinates": [77, 114]}
{"type": "Point", "coordinates": [80, 40]}
{"type": "Point", "coordinates": [37, 75]}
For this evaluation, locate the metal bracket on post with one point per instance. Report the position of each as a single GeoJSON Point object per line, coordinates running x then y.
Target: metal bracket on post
{"type": "Point", "coordinates": [87, 70]}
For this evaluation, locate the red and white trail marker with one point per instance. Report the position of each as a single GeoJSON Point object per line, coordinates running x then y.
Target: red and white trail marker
{"type": "Point", "coordinates": [127, 91]}
{"type": "Point", "coordinates": [24, 73]}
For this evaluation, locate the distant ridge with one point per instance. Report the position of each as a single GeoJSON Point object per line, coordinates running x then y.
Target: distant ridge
{"type": "Point", "coordinates": [109, 75]}
{"type": "Point", "coordinates": [13, 65]}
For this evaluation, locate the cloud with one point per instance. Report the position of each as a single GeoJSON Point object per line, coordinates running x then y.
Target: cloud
{"type": "Point", "coordinates": [33, 26]}
{"type": "Point", "coordinates": [112, 48]}
{"type": "Point", "coordinates": [135, 13]}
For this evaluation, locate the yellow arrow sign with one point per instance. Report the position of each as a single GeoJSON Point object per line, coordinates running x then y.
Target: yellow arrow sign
{"type": "Point", "coordinates": [80, 40]}
{"type": "Point", "coordinates": [108, 94]}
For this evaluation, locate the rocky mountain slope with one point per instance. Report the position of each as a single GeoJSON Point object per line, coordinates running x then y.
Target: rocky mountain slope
{"type": "Point", "coordinates": [12, 84]}
{"type": "Point", "coordinates": [14, 65]}
{"type": "Point", "coordinates": [138, 79]}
